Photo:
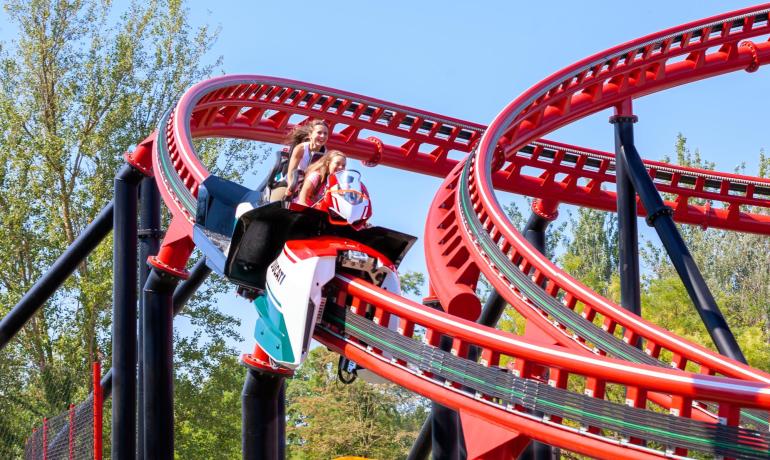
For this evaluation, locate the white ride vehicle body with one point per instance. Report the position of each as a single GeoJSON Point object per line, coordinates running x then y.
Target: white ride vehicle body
{"type": "Point", "coordinates": [293, 300]}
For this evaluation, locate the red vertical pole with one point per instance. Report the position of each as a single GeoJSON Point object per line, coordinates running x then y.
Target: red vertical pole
{"type": "Point", "coordinates": [34, 443]}
{"type": "Point", "coordinates": [72, 431]}
{"type": "Point", "coordinates": [98, 408]}
{"type": "Point", "coordinates": [45, 438]}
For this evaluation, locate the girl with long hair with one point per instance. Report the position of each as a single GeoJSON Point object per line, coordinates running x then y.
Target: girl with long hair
{"type": "Point", "coordinates": [318, 173]}
{"type": "Point", "coordinates": [306, 144]}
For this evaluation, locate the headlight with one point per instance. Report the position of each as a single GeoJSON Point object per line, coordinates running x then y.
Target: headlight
{"type": "Point", "coordinates": [357, 260]}
{"type": "Point", "coordinates": [353, 197]}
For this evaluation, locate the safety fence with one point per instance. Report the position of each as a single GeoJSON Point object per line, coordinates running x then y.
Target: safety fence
{"type": "Point", "coordinates": [74, 434]}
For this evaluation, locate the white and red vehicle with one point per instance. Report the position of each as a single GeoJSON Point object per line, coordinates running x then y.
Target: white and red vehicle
{"type": "Point", "coordinates": [282, 255]}
{"type": "Point", "coordinates": [293, 299]}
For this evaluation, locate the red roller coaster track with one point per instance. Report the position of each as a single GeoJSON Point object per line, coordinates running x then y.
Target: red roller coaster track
{"type": "Point", "coordinates": [467, 234]}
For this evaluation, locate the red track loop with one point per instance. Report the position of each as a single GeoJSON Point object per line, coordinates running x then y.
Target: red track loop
{"type": "Point", "coordinates": [265, 108]}
{"type": "Point", "coordinates": [262, 108]}
{"type": "Point", "coordinates": [606, 79]}
{"type": "Point", "coordinates": [359, 294]}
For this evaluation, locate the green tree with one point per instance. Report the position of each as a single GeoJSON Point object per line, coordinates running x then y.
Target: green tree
{"type": "Point", "coordinates": [412, 282]}
{"type": "Point", "coordinates": [328, 419]}
{"type": "Point", "coordinates": [79, 85]}
{"type": "Point", "coordinates": [208, 403]}
{"type": "Point", "coordinates": [735, 267]}
{"type": "Point", "coordinates": [592, 251]}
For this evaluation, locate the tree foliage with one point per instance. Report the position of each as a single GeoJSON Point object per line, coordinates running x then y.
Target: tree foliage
{"type": "Point", "coordinates": [735, 268]}
{"type": "Point", "coordinates": [80, 85]}
{"type": "Point", "coordinates": [207, 406]}
{"type": "Point", "coordinates": [412, 282]}
{"type": "Point", "coordinates": [328, 419]}
{"type": "Point", "coordinates": [734, 265]}
{"type": "Point", "coordinates": [592, 250]}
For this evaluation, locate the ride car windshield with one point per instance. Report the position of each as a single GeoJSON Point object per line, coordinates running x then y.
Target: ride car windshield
{"type": "Point", "coordinates": [349, 182]}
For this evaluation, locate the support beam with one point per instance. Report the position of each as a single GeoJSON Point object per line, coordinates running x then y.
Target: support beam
{"type": "Point", "coordinates": [124, 297]}
{"type": "Point", "coordinates": [263, 416]}
{"type": "Point", "coordinates": [421, 447]}
{"type": "Point", "coordinates": [659, 216]}
{"type": "Point", "coordinates": [52, 280]}
{"type": "Point", "coordinates": [182, 294]}
{"type": "Point", "coordinates": [535, 234]}
{"type": "Point", "coordinates": [446, 432]}
{"type": "Point", "coordinates": [538, 221]}
{"type": "Point", "coordinates": [493, 309]}
{"type": "Point", "coordinates": [628, 239]}
{"type": "Point", "coordinates": [149, 235]}
{"type": "Point", "coordinates": [158, 361]}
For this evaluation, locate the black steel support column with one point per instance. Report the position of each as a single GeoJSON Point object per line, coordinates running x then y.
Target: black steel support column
{"type": "Point", "coordinates": [534, 232]}
{"type": "Point", "coordinates": [445, 433]}
{"type": "Point", "coordinates": [445, 425]}
{"type": "Point", "coordinates": [182, 295]}
{"type": "Point", "coordinates": [281, 418]}
{"type": "Point", "coordinates": [628, 243]}
{"type": "Point", "coordinates": [490, 315]}
{"type": "Point", "coordinates": [124, 299]}
{"type": "Point", "coordinates": [421, 446]}
{"type": "Point", "coordinates": [263, 416]}
{"type": "Point", "coordinates": [659, 216]}
{"type": "Point", "coordinates": [158, 362]}
{"type": "Point", "coordinates": [149, 243]}
{"type": "Point", "coordinates": [45, 287]}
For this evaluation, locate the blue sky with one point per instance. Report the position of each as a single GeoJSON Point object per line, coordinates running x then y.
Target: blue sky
{"type": "Point", "coordinates": [468, 60]}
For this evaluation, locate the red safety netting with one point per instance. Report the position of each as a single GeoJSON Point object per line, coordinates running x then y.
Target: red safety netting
{"type": "Point", "coordinates": [72, 435]}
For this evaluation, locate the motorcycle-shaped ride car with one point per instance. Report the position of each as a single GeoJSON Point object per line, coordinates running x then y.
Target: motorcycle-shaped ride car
{"type": "Point", "coordinates": [282, 255]}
